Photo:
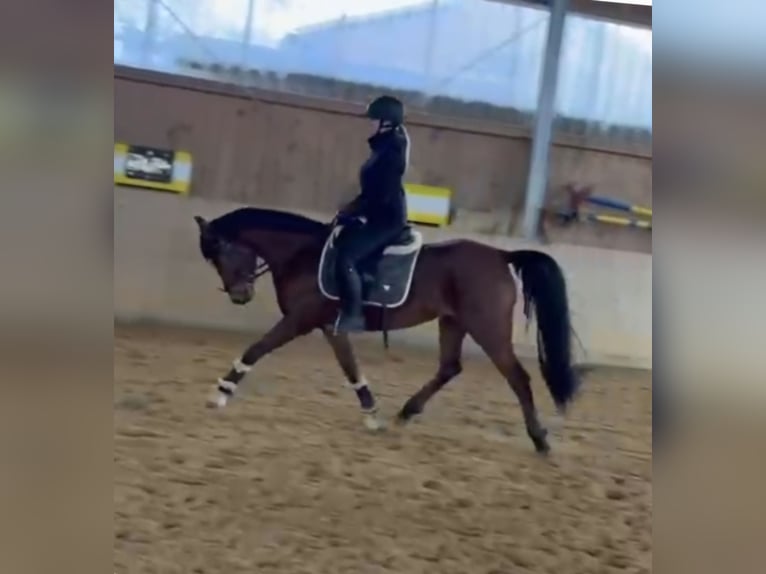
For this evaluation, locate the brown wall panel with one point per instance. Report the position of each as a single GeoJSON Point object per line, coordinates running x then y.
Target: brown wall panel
{"type": "Point", "coordinates": [299, 152]}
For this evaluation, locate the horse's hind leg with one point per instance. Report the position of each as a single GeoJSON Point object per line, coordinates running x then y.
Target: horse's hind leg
{"type": "Point", "coordinates": [344, 353]}
{"type": "Point", "coordinates": [451, 337]}
{"type": "Point", "coordinates": [519, 379]}
{"type": "Point", "coordinates": [492, 330]}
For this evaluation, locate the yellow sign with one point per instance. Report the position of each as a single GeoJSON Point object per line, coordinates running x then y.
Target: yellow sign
{"type": "Point", "coordinates": [428, 204]}
{"type": "Point", "coordinates": [152, 168]}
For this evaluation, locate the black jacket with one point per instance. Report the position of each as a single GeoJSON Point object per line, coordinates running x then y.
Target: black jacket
{"type": "Point", "coordinates": [382, 200]}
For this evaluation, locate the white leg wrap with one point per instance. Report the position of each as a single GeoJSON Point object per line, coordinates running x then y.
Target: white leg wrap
{"type": "Point", "coordinates": [358, 386]}
{"type": "Point", "coordinates": [228, 385]}
{"type": "Point", "coordinates": [241, 367]}
{"type": "Point", "coordinates": [369, 416]}
{"type": "Point", "coordinates": [219, 399]}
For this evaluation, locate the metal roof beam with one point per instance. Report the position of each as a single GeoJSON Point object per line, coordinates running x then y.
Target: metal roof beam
{"type": "Point", "coordinates": [631, 14]}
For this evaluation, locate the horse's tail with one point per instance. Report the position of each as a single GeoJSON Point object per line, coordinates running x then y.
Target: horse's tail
{"type": "Point", "coordinates": [545, 291]}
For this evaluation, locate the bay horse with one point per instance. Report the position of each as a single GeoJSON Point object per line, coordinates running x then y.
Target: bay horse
{"type": "Point", "coordinates": [465, 285]}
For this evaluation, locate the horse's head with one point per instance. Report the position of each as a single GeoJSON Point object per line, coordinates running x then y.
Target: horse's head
{"type": "Point", "coordinates": [235, 262]}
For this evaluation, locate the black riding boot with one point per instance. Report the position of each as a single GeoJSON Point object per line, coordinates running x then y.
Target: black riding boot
{"type": "Point", "coordinates": [351, 317]}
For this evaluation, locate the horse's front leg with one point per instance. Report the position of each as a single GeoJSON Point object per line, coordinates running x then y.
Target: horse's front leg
{"type": "Point", "coordinates": [344, 353]}
{"type": "Point", "coordinates": [286, 330]}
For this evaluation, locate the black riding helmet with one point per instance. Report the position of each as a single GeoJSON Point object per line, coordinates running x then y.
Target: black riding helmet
{"type": "Point", "coordinates": [386, 109]}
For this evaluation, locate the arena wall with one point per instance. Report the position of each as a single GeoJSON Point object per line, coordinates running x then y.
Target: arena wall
{"type": "Point", "coordinates": [301, 152]}
{"type": "Point", "coordinates": [161, 277]}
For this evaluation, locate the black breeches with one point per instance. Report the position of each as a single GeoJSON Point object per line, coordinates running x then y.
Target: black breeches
{"type": "Point", "coordinates": [357, 242]}
{"type": "Point", "coordinates": [354, 244]}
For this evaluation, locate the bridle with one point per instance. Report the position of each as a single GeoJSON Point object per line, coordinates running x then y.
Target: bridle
{"type": "Point", "coordinates": [260, 268]}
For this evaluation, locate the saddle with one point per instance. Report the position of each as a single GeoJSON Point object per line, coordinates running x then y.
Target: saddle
{"type": "Point", "coordinates": [386, 274]}
{"type": "Point", "coordinates": [402, 245]}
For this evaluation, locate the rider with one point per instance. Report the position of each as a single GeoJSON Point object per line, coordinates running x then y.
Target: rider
{"type": "Point", "coordinates": [379, 213]}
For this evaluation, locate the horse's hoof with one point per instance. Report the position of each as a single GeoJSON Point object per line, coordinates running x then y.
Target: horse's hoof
{"type": "Point", "coordinates": [408, 412]}
{"type": "Point", "coordinates": [540, 440]}
{"type": "Point", "coordinates": [373, 423]}
{"type": "Point", "coordinates": [217, 401]}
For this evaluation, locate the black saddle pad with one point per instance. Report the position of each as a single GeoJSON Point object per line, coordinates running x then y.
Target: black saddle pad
{"type": "Point", "coordinates": [387, 279]}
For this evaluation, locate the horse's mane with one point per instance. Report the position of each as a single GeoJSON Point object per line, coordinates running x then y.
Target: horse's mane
{"type": "Point", "coordinates": [230, 224]}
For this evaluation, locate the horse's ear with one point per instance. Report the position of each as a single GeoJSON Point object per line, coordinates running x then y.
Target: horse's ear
{"type": "Point", "coordinates": [202, 223]}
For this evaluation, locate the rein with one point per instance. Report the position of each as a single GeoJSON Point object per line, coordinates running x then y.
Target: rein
{"type": "Point", "coordinates": [261, 269]}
